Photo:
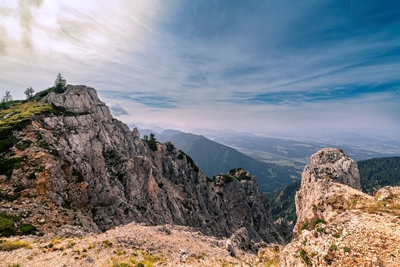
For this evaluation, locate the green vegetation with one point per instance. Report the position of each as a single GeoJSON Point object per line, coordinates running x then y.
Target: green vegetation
{"type": "Point", "coordinates": [5, 101]}
{"type": "Point", "coordinates": [318, 221]}
{"type": "Point", "coordinates": [227, 178]}
{"type": "Point", "coordinates": [379, 172]}
{"type": "Point", "coordinates": [337, 235]}
{"type": "Point", "coordinates": [7, 165]}
{"type": "Point", "coordinates": [282, 202]}
{"type": "Point", "coordinates": [27, 229]}
{"type": "Point", "coordinates": [78, 175]}
{"type": "Point", "coordinates": [305, 258]}
{"type": "Point", "coordinates": [60, 84]}
{"type": "Point", "coordinates": [147, 260]}
{"type": "Point", "coordinates": [151, 142]}
{"type": "Point", "coordinates": [186, 204]}
{"type": "Point", "coordinates": [8, 228]}
{"type": "Point", "coordinates": [346, 249]}
{"type": "Point", "coordinates": [242, 176]}
{"type": "Point", "coordinates": [305, 226]}
{"type": "Point", "coordinates": [189, 160]}
{"type": "Point", "coordinates": [29, 92]}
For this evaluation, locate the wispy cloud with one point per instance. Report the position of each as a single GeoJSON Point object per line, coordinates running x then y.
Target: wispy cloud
{"type": "Point", "coordinates": [218, 63]}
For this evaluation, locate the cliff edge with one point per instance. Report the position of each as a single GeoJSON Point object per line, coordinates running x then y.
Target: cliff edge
{"type": "Point", "coordinates": [338, 225]}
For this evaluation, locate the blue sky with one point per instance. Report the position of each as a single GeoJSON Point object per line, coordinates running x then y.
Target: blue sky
{"type": "Point", "coordinates": [228, 64]}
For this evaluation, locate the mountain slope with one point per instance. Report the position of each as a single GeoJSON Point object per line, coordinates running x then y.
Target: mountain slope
{"type": "Point", "coordinates": [65, 161]}
{"type": "Point", "coordinates": [214, 158]}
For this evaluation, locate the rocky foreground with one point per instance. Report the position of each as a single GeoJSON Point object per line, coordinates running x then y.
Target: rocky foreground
{"type": "Point", "coordinates": [338, 225]}
{"type": "Point", "coordinates": [131, 245]}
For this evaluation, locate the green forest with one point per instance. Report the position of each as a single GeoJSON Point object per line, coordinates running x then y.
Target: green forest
{"type": "Point", "coordinates": [379, 172]}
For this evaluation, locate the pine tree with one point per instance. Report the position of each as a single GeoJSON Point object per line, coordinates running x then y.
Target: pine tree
{"type": "Point", "coordinates": [29, 92]}
{"type": "Point", "coordinates": [60, 84]}
{"type": "Point", "coordinates": [5, 101]}
{"type": "Point", "coordinates": [7, 97]}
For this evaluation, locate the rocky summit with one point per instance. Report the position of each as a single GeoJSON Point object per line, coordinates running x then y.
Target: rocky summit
{"type": "Point", "coordinates": [338, 225]}
{"type": "Point", "coordinates": [74, 169]}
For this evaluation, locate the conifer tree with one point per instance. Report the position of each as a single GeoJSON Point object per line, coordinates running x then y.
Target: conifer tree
{"type": "Point", "coordinates": [60, 84]}
{"type": "Point", "coordinates": [29, 92]}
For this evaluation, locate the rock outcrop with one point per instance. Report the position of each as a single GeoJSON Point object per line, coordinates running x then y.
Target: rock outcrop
{"type": "Point", "coordinates": [327, 165]}
{"type": "Point", "coordinates": [338, 225]}
{"type": "Point", "coordinates": [82, 167]}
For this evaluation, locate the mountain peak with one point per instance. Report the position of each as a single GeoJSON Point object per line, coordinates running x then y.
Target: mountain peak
{"type": "Point", "coordinates": [79, 99]}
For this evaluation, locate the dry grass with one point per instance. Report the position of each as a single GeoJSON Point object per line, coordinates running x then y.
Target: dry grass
{"type": "Point", "coordinates": [8, 245]}
{"type": "Point", "coordinates": [23, 111]}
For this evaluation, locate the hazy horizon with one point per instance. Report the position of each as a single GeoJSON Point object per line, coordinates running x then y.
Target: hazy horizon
{"type": "Point", "coordinates": [265, 66]}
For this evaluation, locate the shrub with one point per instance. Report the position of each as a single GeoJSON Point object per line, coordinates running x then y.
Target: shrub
{"type": "Point", "coordinates": [7, 227]}
{"type": "Point", "coordinates": [186, 204]}
{"type": "Point", "coordinates": [24, 144]}
{"type": "Point", "coordinates": [304, 226]}
{"type": "Point", "coordinates": [27, 229]}
{"type": "Point", "coordinates": [227, 178]}
{"type": "Point", "coordinates": [7, 165]}
{"type": "Point", "coordinates": [78, 175]}
{"type": "Point", "coordinates": [319, 220]}
{"type": "Point", "coordinates": [337, 235]}
{"type": "Point", "coordinates": [305, 258]}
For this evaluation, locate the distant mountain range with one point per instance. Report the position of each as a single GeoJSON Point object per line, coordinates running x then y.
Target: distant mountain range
{"type": "Point", "coordinates": [214, 158]}
{"type": "Point", "coordinates": [262, 147]}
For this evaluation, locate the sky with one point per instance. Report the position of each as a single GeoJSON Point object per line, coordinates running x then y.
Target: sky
{"type": "Point", "coordinates": [254, 66]}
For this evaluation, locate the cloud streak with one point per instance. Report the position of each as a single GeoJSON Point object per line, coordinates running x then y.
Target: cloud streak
{"type": "Point", "coordinates": [218, 63]}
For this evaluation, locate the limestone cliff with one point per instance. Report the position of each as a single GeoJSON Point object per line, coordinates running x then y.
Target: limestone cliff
{"type": "Point", "coordinates": [338, 225]}
{"type": "Point", "coordinates": [80, 166]}
{"type": "Point", "coordinates": [327, 165]}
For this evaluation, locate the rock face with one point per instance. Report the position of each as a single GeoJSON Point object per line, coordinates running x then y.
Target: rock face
{"type": "Point", "coordinates": [337, 224]}
{"type": "Point", "coordinates": [82, 167]}
{"type": "Point", "coordinates": [327, 165]}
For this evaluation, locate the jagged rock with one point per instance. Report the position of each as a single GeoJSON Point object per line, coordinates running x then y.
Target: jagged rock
{"type": "Point", "coordinates": [88, 169]}
{"type": "Point", "coordinates": [284, 228]}
{"type": "Point", "coordinates": [230, 248]}
{"type": "Point", "coordinates": [339, 225]}
{"type": "Point", "coordinates": [327, 165]}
